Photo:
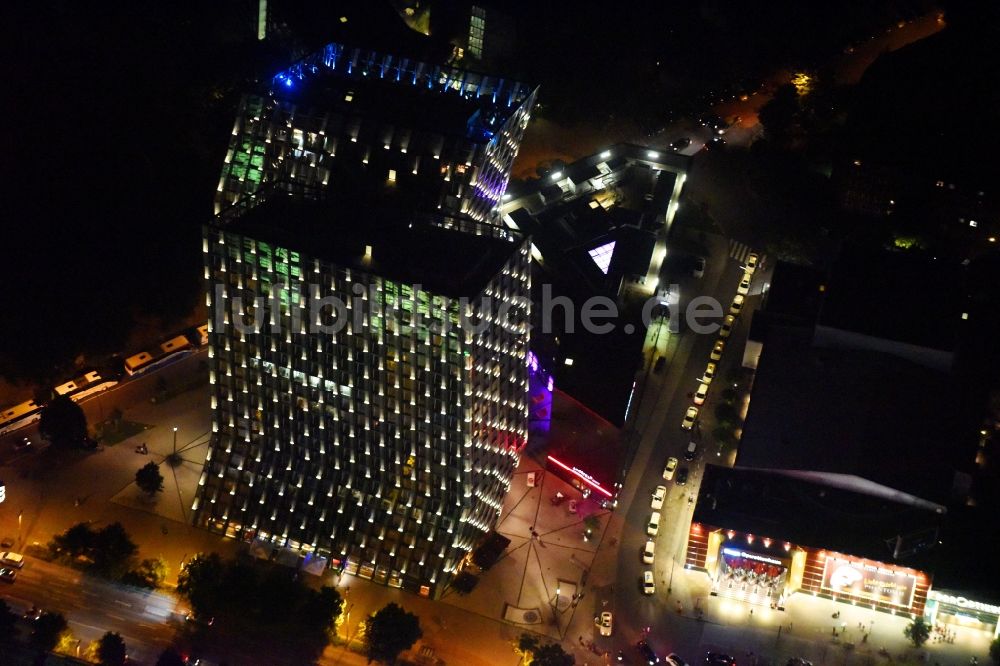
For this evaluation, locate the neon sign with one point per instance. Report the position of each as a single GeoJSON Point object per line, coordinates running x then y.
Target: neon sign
{"type": "Point", "coordinates": [586, 478]}
{"type": "Point", "coordinates": [867, 580]}
{"type": "Point", "coordinates": [750, 556]}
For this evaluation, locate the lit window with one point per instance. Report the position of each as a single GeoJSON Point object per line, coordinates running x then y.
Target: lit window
{"type": "Point", "coordinates": [602, 256]}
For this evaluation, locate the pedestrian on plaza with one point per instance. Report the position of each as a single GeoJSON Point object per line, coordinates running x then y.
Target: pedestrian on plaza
{"type": "Point", "coordinates": [789, 627]}
{"type": "Point", "coordinates": [751, 612]}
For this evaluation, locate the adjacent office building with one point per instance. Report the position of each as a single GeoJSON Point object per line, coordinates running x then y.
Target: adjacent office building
{"type": "Point", "coordinates": [370, 406]}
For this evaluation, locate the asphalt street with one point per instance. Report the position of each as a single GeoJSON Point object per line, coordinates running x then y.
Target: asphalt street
{"type": "Point", "coordinates": [146, 619]}
{"type": "Point", "coordinates": [664, 401]}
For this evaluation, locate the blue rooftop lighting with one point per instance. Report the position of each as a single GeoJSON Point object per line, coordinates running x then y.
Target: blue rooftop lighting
{"type": "Point", "coordinates": [288, 82]}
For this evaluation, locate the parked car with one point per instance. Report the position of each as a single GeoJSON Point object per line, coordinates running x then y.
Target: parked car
{"type": "Point", "coordinates": [682, 476]}
{"type": "Point", "coordinates": [720, 346]}
{"type": "Point", "coordinates": [709, 373]}
{"type": "Point", "coordinates": [22, 445]}
{"type": "Point", "coordinates": [737, 307]}
{"type": "Point", "coordinates": [10, 559]}
{"type": "Point", "coordinates": [8, 575]}
{"type": "Point", "coordinates": [727, 326]}
{"type": "Point", "coordinates": [701, 394]}
{"type": "Point", "coordinates": [680, 144]}
{"type": "Point", "coordinates": [691, 452]}
{"type": "Point", "coordinates": [654, 524]}
{"type": "Point", "coordinates": [698, 268]}
{"type": "Point", "coordinates": [658, 495]}
{"type": "Point", "coordinates": [604, 623]}
{"type": "Point", "coordinates": [648, 583]}
{"type": "Point", "coordinates": [752, 261]}
{"type": "Point", "coordinates": [648, 551]}
{"type": "Point", "coordinates": [668, 471]}
{"type": "Point", "coordinates": [719, 659]}
{"type": "Point", "coordinates": [690, 416]}
{"type": "Point", "coordinates": [744, 287]}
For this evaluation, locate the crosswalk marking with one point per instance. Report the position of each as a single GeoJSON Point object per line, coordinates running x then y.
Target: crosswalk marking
{"type": "Point", "coordinates": [740, 251]}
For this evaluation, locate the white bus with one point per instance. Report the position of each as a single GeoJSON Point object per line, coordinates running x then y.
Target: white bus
{"type": "Point", "coordinates": [84, 386]}
{"type": "Point", "coordinates": [154, 358]}
{"type": "Point", "coordinates": [18, 416]}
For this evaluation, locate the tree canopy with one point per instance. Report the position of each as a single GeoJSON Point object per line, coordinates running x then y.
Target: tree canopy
{"type": "Point", "coordinates": [47, 630]}
{"type": "Point", "coordinates": [63, 422]}
{"type": "Point", "coordinates": [551, 654]}
{"type": "Point", "coordinates": [110, 550]}
{"type": "Point", "coordinates": [220, 588]}
{"type": "Point", "coordinates": [111, 650]}
{"type": "Point", "coordinates": [390, 631]}
{"type": "Point", "coordinates": [149, 479]}
{"type": "Point", "coordinates": [917, 632]}
{"type": "Point", "coordinates": [535, 653]}
{"type": "Point", "coordinates": [8, 622]}
{"type": "Point", "coordinates": [201, 582]}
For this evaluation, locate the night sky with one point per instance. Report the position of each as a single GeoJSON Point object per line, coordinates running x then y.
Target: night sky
{"type": "Point", "coordinates": [118, 119]}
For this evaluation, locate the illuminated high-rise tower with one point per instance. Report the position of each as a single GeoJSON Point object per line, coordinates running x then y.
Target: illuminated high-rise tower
{"type": "Point", "coordinates": [370, 406]}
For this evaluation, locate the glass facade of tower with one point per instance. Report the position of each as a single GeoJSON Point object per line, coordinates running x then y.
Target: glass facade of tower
{"type": "Point", "coordinates": [448, 134]}
{"type": "Point", "coordinates": [390, 443]}
{"type": "Point", "coordinates": [383, 438]}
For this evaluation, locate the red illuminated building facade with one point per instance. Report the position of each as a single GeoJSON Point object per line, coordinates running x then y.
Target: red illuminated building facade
{"type": "Point", "coordinates": [759, 569]}
{"type": "Point", "coordinates": [762, 536]}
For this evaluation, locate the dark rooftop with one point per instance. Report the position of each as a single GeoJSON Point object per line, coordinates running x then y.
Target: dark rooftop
{"type": "Point", "coordinates": [895, 296]}
{"type": "Point", "coordinates": [811, 513]}
{"type": "Point", "coordinates": [402, 91]}
{"type": "Point", "coordinates": [795, 293]}
{"type": "Point", "coordinates": [404, 248]}
{"type": "Point", "coordinates": [414, 107]}
{"type": "Point", "coordinates": [581, 438]}
{"type": "Point", "coordinates": [853, 412]}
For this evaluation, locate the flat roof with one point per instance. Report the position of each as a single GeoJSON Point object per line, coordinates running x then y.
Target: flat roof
{"type": "Point", "coordinates": [796, 292]}
{"type": "Point", "coordinates": [581, 438]}
{"type": "Point", "coordinates": [809, 513]}
{"type": "Point", "coordinates": [404, 248]}
{"type": "Point", "coordinates": [401, 90]}
{"type": "Point", "coordinates": [894, 295]}
{"type": "Point", "coordinates": [854, 412]}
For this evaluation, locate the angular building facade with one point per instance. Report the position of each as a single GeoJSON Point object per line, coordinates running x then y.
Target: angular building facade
{"type": "Point", "coordinates": [368, 321]}
{"type": "Point", "coordinates": [344, 117]}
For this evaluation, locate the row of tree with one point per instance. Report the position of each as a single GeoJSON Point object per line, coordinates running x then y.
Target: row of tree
{"type": "Point", "coordinates": [107, 552]}
{"type": "Point", "coordinates": [219, 588]}
{"type": "Point", "coordinates": [236, 591]}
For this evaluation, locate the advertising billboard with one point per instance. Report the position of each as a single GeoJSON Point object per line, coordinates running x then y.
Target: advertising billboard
{"type": "Point", "coordinates": [869, 580]}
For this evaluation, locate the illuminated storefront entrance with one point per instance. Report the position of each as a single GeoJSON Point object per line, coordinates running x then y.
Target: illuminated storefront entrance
{"type": "Point", "coordinates": [764, 570]}
{"type": "Point", "coordinates": [751, 577]}
{"type": "Point", "coordinates": [951, 609]}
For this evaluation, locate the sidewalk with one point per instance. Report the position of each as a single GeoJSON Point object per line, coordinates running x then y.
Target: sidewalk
{"type": "Point", "coordinates": [49, 491]}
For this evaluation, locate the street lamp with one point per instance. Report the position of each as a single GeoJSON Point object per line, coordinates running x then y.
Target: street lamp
{"type": "Point", "coordinates": [175, 440]}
